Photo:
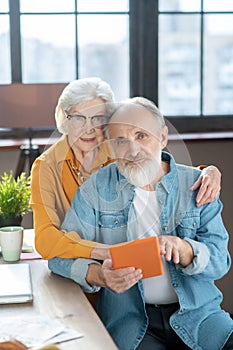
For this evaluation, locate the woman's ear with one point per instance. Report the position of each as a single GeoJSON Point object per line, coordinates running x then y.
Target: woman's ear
{"type": "Point", "coordinates": [164, 137]}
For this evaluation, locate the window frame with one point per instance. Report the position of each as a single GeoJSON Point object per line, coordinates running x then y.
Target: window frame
{"type": "Point", "coordinates": [143, 67]}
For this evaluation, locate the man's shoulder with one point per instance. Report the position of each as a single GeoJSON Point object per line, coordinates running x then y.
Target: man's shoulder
{"type": "Point", "coordinates": [187, 169]}
{"type": "Point", "coordinates": [181, 168]}
{"type": "Point", "coordinates": [187, 174]}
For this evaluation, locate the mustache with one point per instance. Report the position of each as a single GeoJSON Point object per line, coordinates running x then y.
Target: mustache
{"type": "Point", "coordinates": [139, 156]}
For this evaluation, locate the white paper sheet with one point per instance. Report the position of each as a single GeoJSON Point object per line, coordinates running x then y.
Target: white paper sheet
{"type": "Point", "coordinates": [36, 330]}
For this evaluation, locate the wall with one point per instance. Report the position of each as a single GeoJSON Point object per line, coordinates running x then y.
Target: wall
{"type": "Point", "coordinates": [29, 105]}
{"type": "Point", "coordinates": [217, 152]}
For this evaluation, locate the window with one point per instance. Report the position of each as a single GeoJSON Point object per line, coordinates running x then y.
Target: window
{"type": "Point", "coordinates": [195, 57]}
{"type": "Point", "coordinates": [175, 65]}
{"type": "Point", "coordinates": [64, 40]}
{"type": "Point", "coordinates": [178, 53]}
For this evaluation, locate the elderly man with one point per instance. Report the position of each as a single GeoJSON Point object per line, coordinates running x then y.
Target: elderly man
{"type": "Point", "coordinates": [146, 193]}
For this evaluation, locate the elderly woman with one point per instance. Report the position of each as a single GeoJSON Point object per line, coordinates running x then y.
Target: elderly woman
{"type": "Point", "coordinates": [81, 113]}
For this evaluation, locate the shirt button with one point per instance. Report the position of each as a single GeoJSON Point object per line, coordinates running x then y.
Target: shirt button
{"type": "Point", "coordinates": [161, 201]}
{"type": "Point", "coordinates": [165, 228]}
{"type": "Point", "coordinates": [194, 224]}
{"type": "Point", "coordinates": [175, 284]}
{"type": "Point", "coordinates": [116, 222]}
{"type": "Point", "coordinates": [176, 326]}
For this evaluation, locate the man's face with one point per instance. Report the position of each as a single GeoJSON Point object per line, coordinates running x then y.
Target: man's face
{"type": "Point", "coordinates": [137, 143]}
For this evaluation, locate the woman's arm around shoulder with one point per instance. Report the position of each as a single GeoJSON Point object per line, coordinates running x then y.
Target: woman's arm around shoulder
{"type": "Point", "coordinates": [209, 184]}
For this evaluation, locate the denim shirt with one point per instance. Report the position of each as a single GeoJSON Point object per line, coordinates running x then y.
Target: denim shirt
{"type": "Point", "coordinates": [102, 211]}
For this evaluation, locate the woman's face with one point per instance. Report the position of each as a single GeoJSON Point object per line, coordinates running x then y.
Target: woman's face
{"type": "Point", "coordinates": [84, 131]}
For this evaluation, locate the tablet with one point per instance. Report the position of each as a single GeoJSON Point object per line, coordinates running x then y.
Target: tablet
{"type": "Point", "coordinates": [142, 254]}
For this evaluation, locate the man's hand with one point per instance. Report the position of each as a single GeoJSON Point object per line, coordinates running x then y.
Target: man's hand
{"type": "Point", "coordinates": [210, 184]}
{"type": "Point", "coordinates": [118, 280]}
{"type": "Point", "coordinates": [176, 249]}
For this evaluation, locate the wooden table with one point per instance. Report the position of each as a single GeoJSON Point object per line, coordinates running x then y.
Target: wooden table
{"type": "Point", "coordinates": [62, 298]}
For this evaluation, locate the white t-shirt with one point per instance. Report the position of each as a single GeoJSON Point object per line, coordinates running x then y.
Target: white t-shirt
{"type": "Point", "coordinates": [157, 289]}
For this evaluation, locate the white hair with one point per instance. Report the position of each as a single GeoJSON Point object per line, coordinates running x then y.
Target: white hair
{"type": "Point", "coordinates": [144, 102]}
{"type": "Point", "coordinates": [81, 91]}
{"type": "Point", "coordinates": [147, 104]}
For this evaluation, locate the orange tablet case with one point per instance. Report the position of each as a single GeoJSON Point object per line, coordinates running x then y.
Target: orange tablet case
{"type": "Point", "coordinates": [142, 253]}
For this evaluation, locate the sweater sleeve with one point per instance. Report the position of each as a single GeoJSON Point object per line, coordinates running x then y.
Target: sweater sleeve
{"type": "Point", "coordinates": [49, 205]}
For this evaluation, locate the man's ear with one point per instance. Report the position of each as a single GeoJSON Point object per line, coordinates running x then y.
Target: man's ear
{"type": "Point", "coordinates": [164, 137]}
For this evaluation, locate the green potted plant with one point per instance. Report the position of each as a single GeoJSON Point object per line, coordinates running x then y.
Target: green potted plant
{"type": "Point", "coordinates": [14, 198]}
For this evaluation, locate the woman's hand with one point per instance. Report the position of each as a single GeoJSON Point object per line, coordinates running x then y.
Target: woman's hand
{"type": "Point", "coordinates": [210, 184]}
{"type": "Point", "coordinates": [100, 252]}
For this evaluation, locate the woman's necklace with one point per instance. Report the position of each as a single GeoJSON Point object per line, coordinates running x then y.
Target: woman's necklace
{"type": "Point", "coordinates": [78, 172]}
{"type": "Point", "coordinates": [86, 164]}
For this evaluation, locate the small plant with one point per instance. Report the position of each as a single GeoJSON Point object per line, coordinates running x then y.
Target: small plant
{"type": "Point", "coordinates": [14, 195]}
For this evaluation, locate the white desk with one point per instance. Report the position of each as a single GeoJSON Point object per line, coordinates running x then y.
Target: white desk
{"type": "Point", "coordinates": [61, 298]}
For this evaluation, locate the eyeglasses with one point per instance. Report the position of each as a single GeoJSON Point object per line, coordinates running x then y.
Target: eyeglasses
{"type": "Point", "coordinates": [80, 121]}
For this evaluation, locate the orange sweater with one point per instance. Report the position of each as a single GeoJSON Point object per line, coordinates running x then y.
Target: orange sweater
{"type": "Point", "coordinates": [53, 185]}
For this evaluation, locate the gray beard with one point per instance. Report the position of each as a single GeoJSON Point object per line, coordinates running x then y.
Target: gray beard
{"type": "Point", "coordinates": [141, 176]}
